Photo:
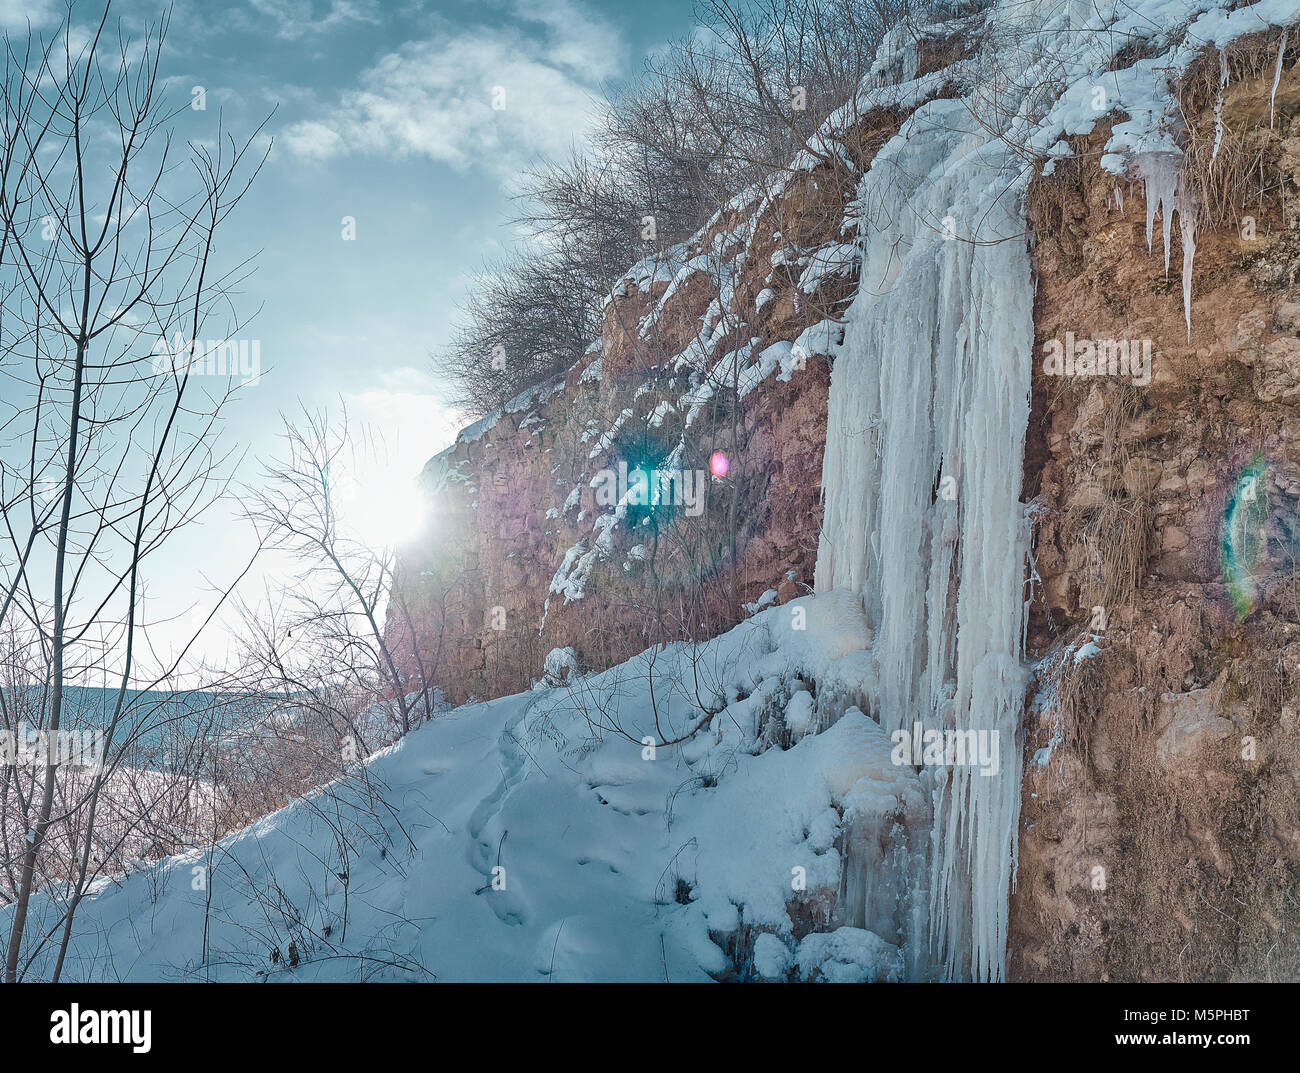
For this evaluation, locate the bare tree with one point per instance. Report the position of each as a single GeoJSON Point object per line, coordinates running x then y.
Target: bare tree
{"type": "Point", "coordinates": [332, 651]}
{"type": "Point", "coordinates": [106, 247]}
{"type": "Point", "coordinates": [710, 117]}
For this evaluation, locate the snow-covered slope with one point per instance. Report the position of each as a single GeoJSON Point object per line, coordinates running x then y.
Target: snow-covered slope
{"type": "Point", "coordinates": [618, 862]}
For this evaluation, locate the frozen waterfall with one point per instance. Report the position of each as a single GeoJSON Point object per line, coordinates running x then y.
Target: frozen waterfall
{"type": "Point", "coordinates": [928, 406]}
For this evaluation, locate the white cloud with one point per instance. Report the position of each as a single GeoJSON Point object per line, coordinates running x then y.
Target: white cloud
{"type": "Point", "coordinates": [586, 46]}
{"type": "Point", "coordinates": [433, 98]}
{"type": "Point", "coordinates": [314, 139]}
{"type": "Point", "coordinates": [16, 14]}
{"type": "Point", "coordinates": [298, 18]}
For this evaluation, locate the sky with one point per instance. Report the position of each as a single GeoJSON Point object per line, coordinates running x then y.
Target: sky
{"type": "Point", "coordinates": [381, 115]}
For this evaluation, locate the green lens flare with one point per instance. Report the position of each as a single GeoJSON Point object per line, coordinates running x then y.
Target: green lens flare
{"type": "Point", "coordinates": [1245, 538]}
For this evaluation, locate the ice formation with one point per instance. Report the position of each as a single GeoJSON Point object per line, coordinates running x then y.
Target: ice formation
{"type": "Point", "coordinates": [928, 408]}
{"type": "Point", "coordinates": [930, 399]}
{"type": "Point", "coordinates": [1277, 77]}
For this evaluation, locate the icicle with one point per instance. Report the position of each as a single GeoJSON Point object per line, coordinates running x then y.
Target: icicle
{"type": "Point", "coordinates": [1187, 225]}
{"type": "Point", "coordinates": [1277, 77]}
{"type": "Point", "coordinates": [1218, 104]}
{"type": "Point", "coordinates": [1161, 173]}
{"type": "Point", "coordinates": [1119, 198]}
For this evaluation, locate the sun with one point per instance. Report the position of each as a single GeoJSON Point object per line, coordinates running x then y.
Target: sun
{"type": "Point", "coordinates": [383, 507]}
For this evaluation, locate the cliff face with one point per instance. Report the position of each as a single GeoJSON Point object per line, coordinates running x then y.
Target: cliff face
{"type": "Point", "coordinates": [1160, 825]}
{"type": "Point", "coordinates": [1159, 835]}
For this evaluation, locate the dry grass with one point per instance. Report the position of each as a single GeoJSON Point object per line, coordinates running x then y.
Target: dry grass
{"type": "Point", "coordinates": [1080, 690]}
{"type": "Point", "coordinates": [1241, 177]}
{"type": "Point", "coordinates": [1117, 536]}
{"type": "Point", "coordinates": [943, 50]}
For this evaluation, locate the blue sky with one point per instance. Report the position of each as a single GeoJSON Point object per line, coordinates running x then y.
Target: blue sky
{"type": "Point", "coordinates": [383, 113]}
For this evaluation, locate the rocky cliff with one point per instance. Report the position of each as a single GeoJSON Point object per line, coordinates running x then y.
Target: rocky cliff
{"type": "Point", "coordinates": [708, 386]}
{"type": "Point", "coordinates": [1160, 817]}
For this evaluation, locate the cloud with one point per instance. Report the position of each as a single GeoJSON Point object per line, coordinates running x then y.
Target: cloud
{"type": "Point", "coordinates": [16, 14]}
{"type": "Point", "coordinates": [312, 139]}
{"type": "Point", "coordinates": [298, 18]}
{"type": "Point", "coordinates": [434, 98]}
{"type": "Point", "coordinates": [576, 41]}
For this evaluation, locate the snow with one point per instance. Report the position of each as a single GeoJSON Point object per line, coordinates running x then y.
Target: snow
{"type": "Point", "coordinates": [849, 956]}
{"type": "Point", "coordinates": [778, 356]}
{"type": "Point", "coordinates": [608, 437]}
{"type": "Point", "coordinates": [476, 431]}
{"type": "Point", "coordinates": [560, 665]}
{"type": "Point", "coordinates": [570, 579]}
{"type": "Point", "coordinates": [830, 261]}
{"type": "Point", "coordinates": [1086, 651]}
{"type": "Point", "coordinates": [525, 400]}
{"type": "Point", "coordinates": [620, 862]}
{"type": "Point", "coordinates": [824, 337]}
{"type": "Point", "coordinates": [772, 960]}
{"type": "Point", "coordinates": [658, 268]}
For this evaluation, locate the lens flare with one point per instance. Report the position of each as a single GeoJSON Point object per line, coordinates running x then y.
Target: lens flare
{"type": "Point", "coordinates": [1245, 535]}
{"type": "Point", "coordinates": [719, 464]}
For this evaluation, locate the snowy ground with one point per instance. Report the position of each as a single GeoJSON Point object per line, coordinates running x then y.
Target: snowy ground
{"type": "Point", "coordinates": [619, 863]}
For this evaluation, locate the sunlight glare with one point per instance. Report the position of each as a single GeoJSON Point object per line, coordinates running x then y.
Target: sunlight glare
{"type": "Point", "coordinates": [383, 507]}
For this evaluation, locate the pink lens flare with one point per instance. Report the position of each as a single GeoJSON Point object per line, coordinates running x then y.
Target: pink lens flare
{"type": "Point", "coordinates": [719, 464]}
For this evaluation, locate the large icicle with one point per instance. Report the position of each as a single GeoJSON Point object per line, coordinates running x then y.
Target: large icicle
{"type": "Point", "coordinates": [1277, 77]}
{"type": "Point", "coordinates": [1161, 174]}
{"type": "Point", "coordinates": [1218, 104]}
